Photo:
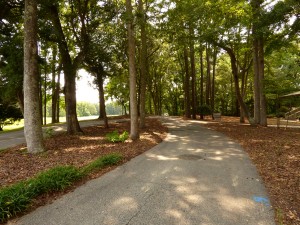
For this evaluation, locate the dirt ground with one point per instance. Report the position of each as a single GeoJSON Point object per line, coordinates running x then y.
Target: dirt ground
{"type": "Point", "coordinates": [275, 152]}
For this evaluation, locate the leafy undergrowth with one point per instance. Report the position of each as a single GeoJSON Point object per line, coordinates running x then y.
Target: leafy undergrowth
{"type": "Point", "coordinates": [80, 151]}
{"type": "Point", "coordinates": [276, 154]}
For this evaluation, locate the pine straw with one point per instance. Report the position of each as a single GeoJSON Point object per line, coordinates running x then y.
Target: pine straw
{"type": "Point", "coordinates": [276, 154]}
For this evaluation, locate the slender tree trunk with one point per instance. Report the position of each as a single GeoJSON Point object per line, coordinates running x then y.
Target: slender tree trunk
{"type": "Point", "coordinates": [201, 82]}
{"type": "Point", "coordinates": [236, 81]}
{"type": "Point", "coordinates": [263, 108]}
{"type": "Point", "coordinates": [134, 128]}
{"type": "Point", "coordinates": [143, 64]}
{"type": "Point", "coordinates": [213, 81]}
{"type": "Point", "coordinates": [102, 100]}
{"type": "Point", "coordinates": [193, 72]}
{"type": "Point", "coordinates": [187, 102]}
{"type": "Point", "coordinates": [260, 114]}
{"type": "Point", "coordinates": [32, 118]}
{"type": "Point", "coordinates": [256, 83]}
{"type": "Point", "coordinates": [53, 85]}
{"type": "Point", "coordinates": [69, 69]}
{"type": "Point", "coordinates": [208, 80]}
{"type": "Point", "coordinates": [45, 97]}
{"type": "Point", "coordinates": [40, 95]}
{"type": "Point", "coordinates": [57, 89]}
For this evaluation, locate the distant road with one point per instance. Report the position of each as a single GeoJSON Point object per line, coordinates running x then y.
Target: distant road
{"type": "Point", "coordinates": [14, 138]}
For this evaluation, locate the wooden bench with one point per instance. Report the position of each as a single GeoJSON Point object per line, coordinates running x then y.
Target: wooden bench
{"type": "Point", "coordinates": [217, 116]}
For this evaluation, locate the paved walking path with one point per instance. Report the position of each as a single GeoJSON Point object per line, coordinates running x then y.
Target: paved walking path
{"type": "Point", "coordinates": [195, 177]}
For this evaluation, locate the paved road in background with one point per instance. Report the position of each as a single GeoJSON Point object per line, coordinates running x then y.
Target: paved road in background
{"type": "Point", "coordinates": [196, 176]}
{"type": "Point", "coordinates": [14, 138]}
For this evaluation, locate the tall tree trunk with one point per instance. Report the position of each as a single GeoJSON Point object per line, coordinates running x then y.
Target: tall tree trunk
{"type": "Point", "coordinates": [193, 72]}
{"type": "Point", "coordinates": [70, 98]}
{"type": "Point", "coordinates": [57, 90]}
{"type": "Point", "coordinates": [53, 85]}
{"type": "Point", "coordinates": [187, 102]}
{"type": "Point", "coordinates": [40, 95]}
{"type": "Point", "coordinates": [256, 83]}
{"type": "Point", "coordinates": [32, 118]}
{"type": "Point", "coordinates": [45, 97]}
{"type": "Point", "coordinates": [263, 108]}
{"type": "Point", "coordinates": [201, 82]}
{"type": "Point", "coordinates": [70, 69]}
{"type": "Point", "coordinates": [235, 72]}
{"type": "Point", "coordinates": [208, 80]}
{"type": "Point", "coordinates": [260, 114]}
{"type": "Point", "coordinates": [143, 64]}
{"type": "Point", "coordinates": [134, 128]}
{"type": "Point", "coordinates": [102, 100]}
{"type": "Point", "coordinates": [213, 80]}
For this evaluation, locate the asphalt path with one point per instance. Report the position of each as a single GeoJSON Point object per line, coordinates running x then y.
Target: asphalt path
{"type": "Point", "coordinates": [13, 138]}
{"type": "Point", "coordinates": [196, 176]}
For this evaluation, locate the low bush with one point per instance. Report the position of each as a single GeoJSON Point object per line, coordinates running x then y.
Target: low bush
{"type": "Point", "coordinates": [116, 137]}
{"type": "Point", "coordinates": [17, 197]}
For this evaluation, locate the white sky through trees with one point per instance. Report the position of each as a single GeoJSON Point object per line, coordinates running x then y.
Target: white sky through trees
{"type": "Point", "coordinates": [85, 89]}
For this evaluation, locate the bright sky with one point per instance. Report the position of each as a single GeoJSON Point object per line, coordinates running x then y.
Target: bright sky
{"type": "Point", "coordinates": [85, 90]}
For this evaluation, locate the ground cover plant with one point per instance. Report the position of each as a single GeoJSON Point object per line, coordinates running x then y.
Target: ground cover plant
{"type": "Point", "coordinates": [16, 198]}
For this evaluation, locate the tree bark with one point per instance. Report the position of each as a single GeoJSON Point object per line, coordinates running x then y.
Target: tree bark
{"type": "Point", "coordinates": [32, 118]}
{"type": "Point", "coordinates": [212, 102]}
{"type": "Point", "coordinates": [263, 108]}
{"type": "Point", "coordinates": [234, 69]}
{"type": "Point", "coordinates": [70, 69]}
{"type": "Point", "coordinates": [57, 90]}
{"type": "Point", "coordinates": [143, 64]}
{"type": "Point", "coordinates": [102, 100]}
{"type": "Point", "coordinates": [201, 82]}
{"type": "Point", "coordinates": [187, 101]}
{"type": "Point", "coordinates": [260, 114]}
{"type": "Point", "coordinates": [193, 72]}
{"type": "Point", "coordinates": [53, 85]}
{"type": "Point", "coordinates": [208, 79]}
{"type": "Point", "coordinates": [134, 128]}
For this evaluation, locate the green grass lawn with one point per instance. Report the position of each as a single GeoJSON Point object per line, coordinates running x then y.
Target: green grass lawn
{"type": "Point", "coordinates": [18, 125]}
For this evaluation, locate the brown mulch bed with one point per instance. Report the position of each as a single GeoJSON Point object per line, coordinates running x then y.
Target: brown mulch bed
{"type": "Point", "coordinates": [78, 150]}
{"type": "Point", "coordinates": [276, 154]}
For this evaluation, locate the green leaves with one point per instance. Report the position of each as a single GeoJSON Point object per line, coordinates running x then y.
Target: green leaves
{"type": "Point", "coordinates": [116, 137]}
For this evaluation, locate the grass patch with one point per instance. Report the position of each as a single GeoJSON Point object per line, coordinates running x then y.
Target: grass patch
{"type": "Point", "coordinates": [17, 197]}
{"type": "Point", "coordinates": [116, 137]}
{"type": "Point", "coordinates": [100, 163]}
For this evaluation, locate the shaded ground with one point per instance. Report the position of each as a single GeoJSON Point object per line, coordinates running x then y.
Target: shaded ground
{"type": "Point", "coordinates": [16, 164]}
{"type": "Point", "coordinates": [276, 154]}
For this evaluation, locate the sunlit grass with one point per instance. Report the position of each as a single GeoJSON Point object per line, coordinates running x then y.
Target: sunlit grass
{"type": "Point", "coordinates": [18, 125]}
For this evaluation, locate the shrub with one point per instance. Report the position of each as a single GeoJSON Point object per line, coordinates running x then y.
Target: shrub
{"type": "Point", "coordinates": [116, 137]}
{"type": "Point", "coordinates": [204, 110]}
